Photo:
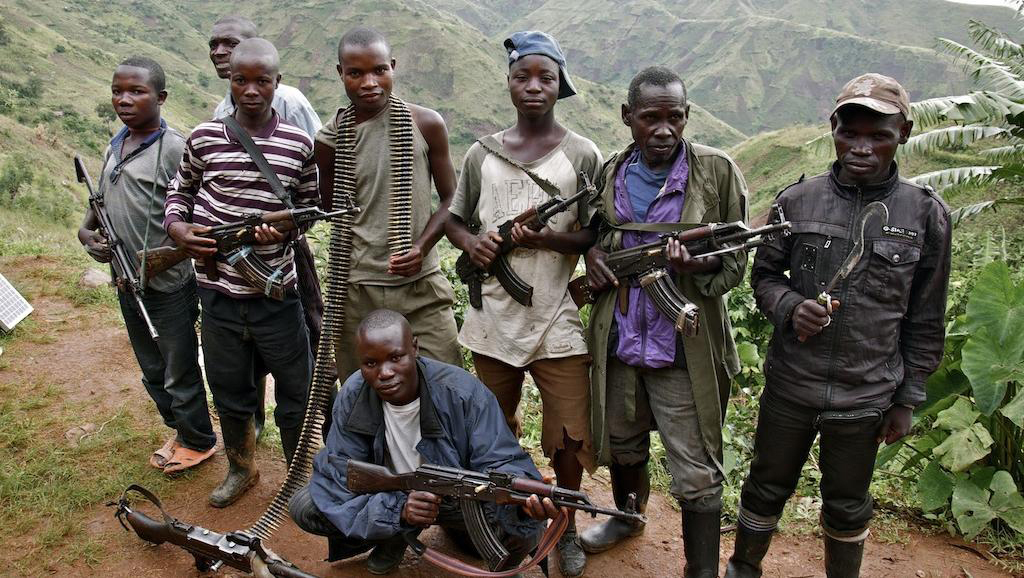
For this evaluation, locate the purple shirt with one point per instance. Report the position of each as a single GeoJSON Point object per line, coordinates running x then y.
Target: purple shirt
{"type": "Point", "coordinates": [646, 337]}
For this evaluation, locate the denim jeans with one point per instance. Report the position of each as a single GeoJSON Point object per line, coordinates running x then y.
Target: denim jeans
{"type": "Point", "coordinates": [170, 365]}
{"type": "Point", "coordinates": [234, 331]}
{"type": "Point", "coordinates": [785, 432]}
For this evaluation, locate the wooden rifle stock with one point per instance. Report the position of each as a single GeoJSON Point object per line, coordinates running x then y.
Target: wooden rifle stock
{"type": "Point", "coordinates": [366, 478]}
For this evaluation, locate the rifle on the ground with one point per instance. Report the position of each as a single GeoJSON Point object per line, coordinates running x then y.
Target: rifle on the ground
{"type": "Point", "coordinates": [472, 488]}
{"type": "Point", "coordinates": [211, 550]}
{"type": "Point", "coordinates": [235, 240]}
{"type": "Point", "coordinates": [534, 218]}
{"type": "Point", "coordinates": [647, 265]}
{"type": "Point", "coordinates": [124, 269]}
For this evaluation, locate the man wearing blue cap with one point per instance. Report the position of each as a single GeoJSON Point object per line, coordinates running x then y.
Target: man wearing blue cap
{"type": "Point", "coordinates": [503, 175]}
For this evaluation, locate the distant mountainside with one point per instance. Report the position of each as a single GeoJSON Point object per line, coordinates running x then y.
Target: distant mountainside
{"type": "Point", "coordinates": [761, 65]}
{"type": "Point", "coordinates": [751, 64]}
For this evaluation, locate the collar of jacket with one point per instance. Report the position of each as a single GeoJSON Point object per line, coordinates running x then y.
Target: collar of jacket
{"type": "Point", "coordinates": [870, 192]}
{"type": "Point", "coordinates": [700, 195]}
{"type": "Point", "coordinates": [367, 415]}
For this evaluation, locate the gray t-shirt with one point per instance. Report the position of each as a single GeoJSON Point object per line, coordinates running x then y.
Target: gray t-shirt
{"type": "Point", "coordinates": [289, 102]}
{"type": "Point", "coordinates": [373, 196]}
{"type": "Point", "coordinates": [492, 191]}
{"type": "Point", "coordinates": [127, 185]}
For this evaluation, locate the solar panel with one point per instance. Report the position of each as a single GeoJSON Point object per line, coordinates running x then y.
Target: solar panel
{"type": "Point", "coordinates": [13, 307]}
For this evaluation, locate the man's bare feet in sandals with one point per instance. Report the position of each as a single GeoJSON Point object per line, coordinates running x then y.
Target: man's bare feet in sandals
{"type": "Point", "coordinates": [161, 456]}
{"type": "Point", "coordinates": [185, 458]}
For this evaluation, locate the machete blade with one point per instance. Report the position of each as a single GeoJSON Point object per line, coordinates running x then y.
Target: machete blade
{"type": "Point", "coordinates": [874, 209]}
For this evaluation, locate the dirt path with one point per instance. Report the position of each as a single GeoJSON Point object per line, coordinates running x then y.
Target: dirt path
{"type": "Point", "coordinates": [107, 375]}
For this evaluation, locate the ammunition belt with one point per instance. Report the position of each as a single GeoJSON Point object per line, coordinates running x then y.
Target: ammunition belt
{"type": "Point", "coordinates": [338, 266]}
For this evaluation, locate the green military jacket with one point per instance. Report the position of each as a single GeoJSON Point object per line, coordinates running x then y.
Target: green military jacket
{"type": "Point", "coordinates": [715, 192]}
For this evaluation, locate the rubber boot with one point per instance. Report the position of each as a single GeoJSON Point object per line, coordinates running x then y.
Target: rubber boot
{"type": "Point", "coordinates": [626, 480]}
{"type": "Point", "coordinates": [289, 442]}
{"type": "Point", "coordinates": [702, 532]}
{"type": "Point", "coordinates": [842, 559]}
{"type": "Point", "coordinates": [386, 556]}
{"type": "Point", "coordinates": [240, 448]}
{"type": "Point", "coordinates": [748, 552]}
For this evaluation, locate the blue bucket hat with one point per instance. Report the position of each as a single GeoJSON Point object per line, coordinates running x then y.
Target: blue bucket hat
{"type": "Point", "coordinates": [529, 42]}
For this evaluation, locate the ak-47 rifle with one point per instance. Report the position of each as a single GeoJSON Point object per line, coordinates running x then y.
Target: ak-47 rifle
{"type": "Point", "coordinates": [534, 218]}
{"type": "Point", "coordinates": [211, 550]}
{"type": "Point", "coordinates": [471, 489]}
{"type": "Point", "coordinates": [124, 269]}
{"type": "Point", "coordinates": [235, 240]}
{"type": "Point", "coordinates": [647, 265]}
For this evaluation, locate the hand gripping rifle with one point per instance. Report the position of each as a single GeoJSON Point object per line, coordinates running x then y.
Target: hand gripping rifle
{"type": "Point", "coordinates": [647, 265]}
{"type": "Point", "coordinates": [235, 240]}
{"type": "Point", "coordinates": [534, 218]}
{"type": "Point", "coordinates": [124, 269]}
{"type": "Point", "coordinates": [211, 550]}
{"type": "Point", "coordinates": [470, 489]}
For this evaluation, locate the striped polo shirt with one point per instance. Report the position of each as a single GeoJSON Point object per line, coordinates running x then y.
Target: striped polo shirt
{"type": "Point", "coordinates": [217, 183]}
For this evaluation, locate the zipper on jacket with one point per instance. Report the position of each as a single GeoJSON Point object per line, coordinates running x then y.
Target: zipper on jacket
{"type": "Point", "coordinates": [837, 320]}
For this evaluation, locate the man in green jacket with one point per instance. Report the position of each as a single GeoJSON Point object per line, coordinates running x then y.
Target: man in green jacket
{"type": "Point", "coordinates": [646, 375]}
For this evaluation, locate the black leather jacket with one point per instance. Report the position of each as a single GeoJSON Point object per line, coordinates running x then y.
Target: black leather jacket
{"type": "Point", "coordinates": [887, 336]}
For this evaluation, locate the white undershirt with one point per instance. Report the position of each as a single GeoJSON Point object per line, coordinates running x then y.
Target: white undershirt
{"type": "Point", "coordinates": [402, 431]}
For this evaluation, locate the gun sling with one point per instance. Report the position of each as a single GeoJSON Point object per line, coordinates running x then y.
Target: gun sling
{"type": "Point", "coordinates": [272, 285]}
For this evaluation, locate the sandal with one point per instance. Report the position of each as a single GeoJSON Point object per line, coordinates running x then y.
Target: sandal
{"type": "Point", "coordinates": [161, 456]}
{"type": "Point", "coordinates": [185, 458]}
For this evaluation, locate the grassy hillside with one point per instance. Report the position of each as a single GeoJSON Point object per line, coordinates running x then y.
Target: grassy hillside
{"type": "Point", "coordinates": [762, 65]}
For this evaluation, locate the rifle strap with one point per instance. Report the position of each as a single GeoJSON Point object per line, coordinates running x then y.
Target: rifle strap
{"type": "Point", "coordinates": [257, 157]}
{"type": "Point", "coordinates": [143, 279]}
{"type": "Point", "coordinates": [547, 543]}
{"type": "Point", "coordinates": [494, 147]}
{"type": "Point", "coordinates": [149, 496]}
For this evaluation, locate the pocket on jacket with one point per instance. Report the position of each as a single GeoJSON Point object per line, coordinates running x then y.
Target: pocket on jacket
{"type": "Point", "coordinates": [891, 270]}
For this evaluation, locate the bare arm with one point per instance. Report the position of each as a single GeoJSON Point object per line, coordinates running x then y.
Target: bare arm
{"type": "Point", "coordinates": [323, 156]}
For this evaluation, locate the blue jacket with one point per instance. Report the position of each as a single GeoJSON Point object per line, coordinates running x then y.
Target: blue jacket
{"type": "Point", "coordinates": [461, 426]}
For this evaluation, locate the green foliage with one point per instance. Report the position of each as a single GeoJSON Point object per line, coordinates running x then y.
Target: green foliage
{"type": "Point", "coordinates": [105, 112]}
{"type": "Point", "coordinates": [15, 174]}
{"type": "Point", "coordinates": [966, 448]}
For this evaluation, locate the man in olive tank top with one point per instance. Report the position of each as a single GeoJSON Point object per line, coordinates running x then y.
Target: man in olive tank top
{"type": "Point", "coordinates": [382, 154]}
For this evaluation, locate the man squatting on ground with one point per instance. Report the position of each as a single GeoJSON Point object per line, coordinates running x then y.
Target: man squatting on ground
{"type": "Point", "coordinates": [402, 410]}
{"type": "Point", "coordinates": [645, 374]}
{"type": "Point", "coordinates": [293, 108]}
{"type": "Point", "coordinates": [218, 182]}
{"type": "Point", "coordinates": [137, 166]}
{"type": "Point", "coordinates": [412, 282]}
{"type": "Point", "coordinates": [856, 375]}
{"type": "Point", "coordinates": [508, 338]}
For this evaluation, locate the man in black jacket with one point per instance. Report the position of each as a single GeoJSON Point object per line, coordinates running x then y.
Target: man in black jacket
{"type": "Point", "coordinates": [855, 370]}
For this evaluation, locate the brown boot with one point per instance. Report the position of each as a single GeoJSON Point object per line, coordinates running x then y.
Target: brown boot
{"type": "Point", "coordinates": [626, 480]}
{"type": "Point", "coordinates": [240, 448]}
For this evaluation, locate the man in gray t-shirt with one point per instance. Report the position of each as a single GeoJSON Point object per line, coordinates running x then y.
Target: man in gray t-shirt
{"type": "Point", "coordinates": [137, 167]}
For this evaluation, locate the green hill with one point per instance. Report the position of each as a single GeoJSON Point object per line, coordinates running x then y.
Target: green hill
{"type": "Point", "coordinates": [762, 65]}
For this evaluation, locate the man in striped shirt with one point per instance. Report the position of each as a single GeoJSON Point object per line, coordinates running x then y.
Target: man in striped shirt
{"type": "Point", "coordinates": [217, 183]}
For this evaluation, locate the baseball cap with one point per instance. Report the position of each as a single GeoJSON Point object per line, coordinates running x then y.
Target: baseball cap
{"type": "Point", "coordinates": [877, 92]}
{"type": "Point", "coordinates": [528, 42]}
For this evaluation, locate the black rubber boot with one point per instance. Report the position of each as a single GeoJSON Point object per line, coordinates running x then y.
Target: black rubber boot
{"type": "Point", "coordinates": [626, 480]}
{"type": "Point", "coordinates": [571, 559]}
{"type": "Point", "coordinates": [386, 556]}
{"type": "Point", "coordinates": [842, 559]}
{"type": "Point", "coordinates": [750, 549]}
{"type": "Point", "coordinates": [702, 532]}
{"type": "Point", "coordinates": [240, 449]}
{"type": "Point", "coordinates": [289, 442]}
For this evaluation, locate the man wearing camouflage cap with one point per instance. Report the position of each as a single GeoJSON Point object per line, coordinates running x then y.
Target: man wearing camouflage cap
{"type": "Point", "coordinates": [852, 370]}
